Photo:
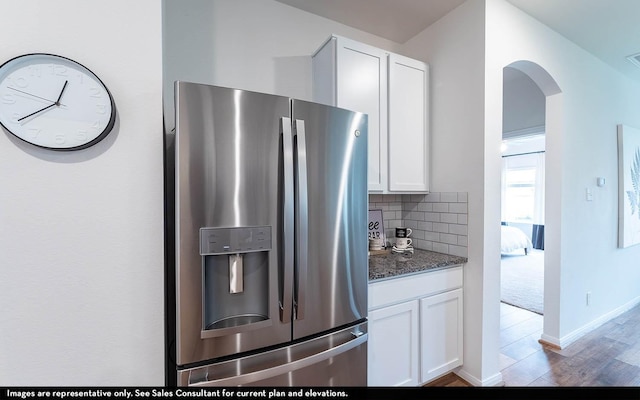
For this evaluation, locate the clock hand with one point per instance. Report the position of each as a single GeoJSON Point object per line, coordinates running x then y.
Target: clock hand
{"type": "Point", "coordinates": [18, 90]}
{"type": "Point", "coordinates": [62, 91]}
{"type": "Point", "coordinates": [57, 103]}
{"type": "Point", "coordinates": [40, 110]}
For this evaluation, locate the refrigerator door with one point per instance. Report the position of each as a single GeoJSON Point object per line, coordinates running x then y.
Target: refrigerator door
{"type": "Point", "coordinates": [230, 210]}
{"type": "Point", "coordinates": [331, 274]}
{"type": "Point", "coordinates": [336, 359]}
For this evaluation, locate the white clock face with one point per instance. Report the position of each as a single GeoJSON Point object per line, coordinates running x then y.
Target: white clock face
{"type": "Point", "coordinates": [53, 102]}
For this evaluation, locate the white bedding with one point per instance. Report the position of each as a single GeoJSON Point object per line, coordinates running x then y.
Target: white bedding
{"type": "Point", "coordinates": [513, 239]}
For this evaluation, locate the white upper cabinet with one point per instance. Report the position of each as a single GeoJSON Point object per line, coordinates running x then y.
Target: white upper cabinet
{"type": "Point", "coordinates": [353, 75]}
{"type": "Point", "coordinates": [392, 91]}
{"type": "Point", "coordinates": [408, 125]}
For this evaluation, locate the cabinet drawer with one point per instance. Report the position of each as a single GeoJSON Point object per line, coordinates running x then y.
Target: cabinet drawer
{"type": "Point", "coordinates": [397, 290]}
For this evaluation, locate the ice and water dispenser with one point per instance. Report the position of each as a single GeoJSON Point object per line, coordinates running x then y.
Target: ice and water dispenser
{"type": "Point", "coordinates": [235, 279]}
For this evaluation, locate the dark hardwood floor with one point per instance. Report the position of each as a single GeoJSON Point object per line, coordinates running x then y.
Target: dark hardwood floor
{"type": "Point", "coordinates": [607, 356]}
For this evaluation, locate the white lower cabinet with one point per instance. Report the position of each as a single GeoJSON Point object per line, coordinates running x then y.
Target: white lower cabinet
{"type": "Point", "coordinates": [393, 351]}
{"type": "Point", "coordinates": [441, 334]}
{"type": "Point", "coordinates": [415, 328]}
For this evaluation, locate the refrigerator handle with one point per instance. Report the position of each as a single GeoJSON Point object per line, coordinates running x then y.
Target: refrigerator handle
{"type": "Point", "coordinates": [286, 299]}
{"type": "Point", "coordinates": [287, 365]}
{"type": "Point", "coordinates": [302, 220]}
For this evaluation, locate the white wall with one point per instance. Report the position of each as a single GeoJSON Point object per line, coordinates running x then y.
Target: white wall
{"type": "Point", "coordinates": [454, 49]}
{"type": "Point", "coordinates": [257, 45]}
{"type": "Point", "coordinates": [81, 237]}
{"type": "Point", "coordinates": [467, 51]}
{"type": "Point", "coordinates": [595, 99]}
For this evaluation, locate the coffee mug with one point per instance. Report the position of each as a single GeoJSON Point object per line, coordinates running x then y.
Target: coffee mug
{"type": "Point", "coordinates": [403, 243]}
{"type": "Point", "coordinates": [403, 232]}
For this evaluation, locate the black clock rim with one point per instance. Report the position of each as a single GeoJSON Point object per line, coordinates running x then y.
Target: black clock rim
{"type": "Point", "coordinates": [105, 132]}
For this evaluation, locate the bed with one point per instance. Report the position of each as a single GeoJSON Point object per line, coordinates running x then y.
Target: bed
{"type": "Point", "coordinates": [513, 239]}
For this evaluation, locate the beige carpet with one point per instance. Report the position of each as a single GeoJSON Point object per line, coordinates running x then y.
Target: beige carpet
{"type": "Point", "coordinates": [522, 280]}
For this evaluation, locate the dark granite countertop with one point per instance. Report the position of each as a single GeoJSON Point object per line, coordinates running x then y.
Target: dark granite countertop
{"type": "Point", "coordinates": [393, 265]}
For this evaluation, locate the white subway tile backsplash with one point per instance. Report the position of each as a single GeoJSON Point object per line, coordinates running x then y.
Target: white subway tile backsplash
{"type": "Point", "coordinates": [432, 198]}
{"type": "Point", "coordinates": [458, 229]}
{"type": "Point", "coordinates": [394, 223]}
{"type": "Point", "coordinates": [409, 223]}
{"type": "Point", "coordinates": [463, 241]}
{"type": "Point", "coordinates": [431, 236]}
{"type": "Point", "coordinates": [425, 226]}
{"type": "Point", "coordinates": [438, 220]}
{"type": "Point", "coordinates": [388, 215]}
{"type": "Point", "coordinates": [440, 227]}
{"type": "Point", "coordinates": [449, 218]}
{"type": "Point", "coordinates": [424, 245]}
{"type": "Point", "coordinates": [449, 197]}
{"type": "Point", "coordinates": [375, 198]}
{"type": "Point", "coordinates": [460, 251]}
{"type": "Point", "coordinates": [440, 247]}
{"type": "Point", "coordinates": [459, 208]}
{"type": "Point", "coordinates": [416, 198]}
{"type": "Point", "coordinates": [448, 238]}
{"type": "Point", "coordinates": [441, 207]}
{"type": "Point", "coordinates": [433, 217]}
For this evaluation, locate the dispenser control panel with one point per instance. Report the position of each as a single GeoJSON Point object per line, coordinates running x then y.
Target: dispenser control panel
{"type": "Point", "coordinates": [215, 241]}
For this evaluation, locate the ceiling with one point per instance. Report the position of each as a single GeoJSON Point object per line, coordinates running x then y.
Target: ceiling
{"type": "Point", "coordinates": [608, 29]}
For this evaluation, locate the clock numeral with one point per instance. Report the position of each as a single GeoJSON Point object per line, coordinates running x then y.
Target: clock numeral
{"type": "Point", "coordinates": [59, 70]}
{"type": "Point", "coordinates": [8, 99]}
{"type": "Point", "coordinates": [60, 139]}
{"type": "Point", "coordinates": [20, 82]}
{"type": "Point", "coordinates": [101, 108]}
{"type": "Point", "coordinates": [14, 118]}
{"type": "Point", "coordinates": [35, 71]}
{"type": "Point", "coordinates": [95, 92]}
{"type": "Point", "coordinates": [82, 135]}
{"type": "Point", "coordinates": [34, 132]}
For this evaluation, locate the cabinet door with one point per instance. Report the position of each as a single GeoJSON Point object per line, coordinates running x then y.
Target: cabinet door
{"type": "Point", "coordinates": [408, 125]}
{"type": "Point", "coordinates": [441, 333]}
{"type": "Point", "coordinates": [393, 350]}
{"type": "Point", "coordinates": [361, 85]}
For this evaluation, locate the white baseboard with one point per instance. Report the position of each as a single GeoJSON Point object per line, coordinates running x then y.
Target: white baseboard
{"type": "Point", "coordinates": [578, 333]}
{"type": "Point", "coordinates": [495, 380]}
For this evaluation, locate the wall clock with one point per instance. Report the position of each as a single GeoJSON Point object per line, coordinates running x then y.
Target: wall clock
{"type": "Point", "coordinates": [54, 102]}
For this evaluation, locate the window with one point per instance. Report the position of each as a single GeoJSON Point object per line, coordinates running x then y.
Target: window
{"type": "Point", "coordinates": [523, 188]}
{"type": "Point", "coordinates": [519, 195]}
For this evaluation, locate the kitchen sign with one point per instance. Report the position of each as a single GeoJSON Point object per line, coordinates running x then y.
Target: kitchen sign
{"type": "Point", "coordinates": [376, 227]}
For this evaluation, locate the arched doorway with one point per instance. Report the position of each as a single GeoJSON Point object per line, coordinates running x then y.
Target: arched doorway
{"type": "Point", "coordinates": [551, 97]}
{"type": "Point", "coordinates": [522, 198]}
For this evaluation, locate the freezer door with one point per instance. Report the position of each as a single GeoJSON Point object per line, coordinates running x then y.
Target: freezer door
{"type": "Point", "coordinates": [335, 359]}
{"type": "Point", "coordinates": [331, 268]}
{"type": "Point", "coordinates": [230, 215]}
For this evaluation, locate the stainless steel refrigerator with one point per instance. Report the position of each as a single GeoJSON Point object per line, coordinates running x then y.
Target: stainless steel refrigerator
{"type": "Point", "coordinates": [267, 237]}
